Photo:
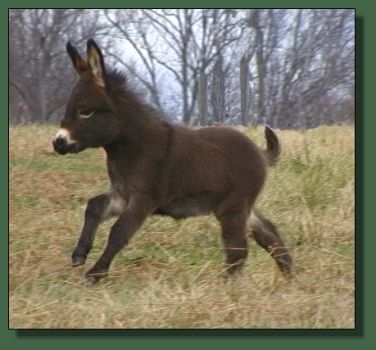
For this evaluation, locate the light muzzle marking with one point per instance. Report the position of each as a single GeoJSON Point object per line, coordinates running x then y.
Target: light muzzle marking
{"type": "Point", "coordinates": [64, 134]}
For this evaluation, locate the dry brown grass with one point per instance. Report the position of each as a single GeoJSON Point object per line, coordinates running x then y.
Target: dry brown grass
{"type": "Point", "coordinates": [170, 276]}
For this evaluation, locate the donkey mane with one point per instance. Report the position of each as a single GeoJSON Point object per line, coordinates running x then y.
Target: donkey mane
{"type": "Point", "coordinates": [118, 84]}
{"type": "Point", "coordinates": [116, 76]}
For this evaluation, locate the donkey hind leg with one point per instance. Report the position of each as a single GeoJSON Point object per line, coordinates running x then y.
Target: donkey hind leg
{"type": "Point", "coordinates": [234, 238]}
{"type": "Point", "coordinates": [98, 209]}
{"type": "Point", "coordinates": [266, 235]}
{"type": "Point", "coordinates": [121, 232]}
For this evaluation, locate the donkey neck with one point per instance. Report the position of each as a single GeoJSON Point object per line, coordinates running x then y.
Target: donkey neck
{"type": "Point", "coordinates": [141, 130]}
{"type": "Point", "coordinates": [140, 150]}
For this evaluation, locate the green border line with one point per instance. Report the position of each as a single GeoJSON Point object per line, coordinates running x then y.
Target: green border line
{"type": "Point", "coordinates": [362, 337]}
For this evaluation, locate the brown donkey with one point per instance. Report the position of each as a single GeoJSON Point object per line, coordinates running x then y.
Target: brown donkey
{"type": "Point", "coordinates": [164, 169]}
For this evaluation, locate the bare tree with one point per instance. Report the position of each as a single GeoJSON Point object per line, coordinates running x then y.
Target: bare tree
{"type": "Point", "coordinates": [301, 57]}
{"type": "Point", "coordinates": [218, 98]}
{"type": "Point", "coordinates": [289, 68]}
{"type": "Point", "coordinates": [321, 60]}
{"type": "Point", "coordinates": [184, 43]}
{"type": "Point", "coordinates": [38, 79]}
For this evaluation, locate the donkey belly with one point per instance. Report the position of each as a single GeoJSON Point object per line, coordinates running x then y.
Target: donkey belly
{"type": "Point", "coordinates": [192, 205]}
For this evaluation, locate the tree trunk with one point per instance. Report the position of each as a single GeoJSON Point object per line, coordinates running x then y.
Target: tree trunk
{"type": "Point", "coordinates": [261, 67]}
{"type": "Point", "coordinates": [243, 91]}
{"type": "Point", "coordinates": [203, 100]}
{"type": "Point", "coordinates": [218, 91]}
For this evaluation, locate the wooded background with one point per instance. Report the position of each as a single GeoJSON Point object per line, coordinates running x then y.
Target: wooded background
{"type": "Point", "coordinates": [287, 68]}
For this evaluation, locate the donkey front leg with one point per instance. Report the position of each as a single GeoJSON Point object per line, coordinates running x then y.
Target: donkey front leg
{"type": "Point", "coordinates": [98, 209]}
{"type": "Point", "coordinates": [121, 233]}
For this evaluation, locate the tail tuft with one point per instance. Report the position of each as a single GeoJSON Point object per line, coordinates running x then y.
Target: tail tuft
{"type": "Point", "coordinates": [273, 147]}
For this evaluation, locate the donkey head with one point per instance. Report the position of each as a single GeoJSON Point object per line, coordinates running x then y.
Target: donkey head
{"type": "Point", "coordinates": [90, 117]}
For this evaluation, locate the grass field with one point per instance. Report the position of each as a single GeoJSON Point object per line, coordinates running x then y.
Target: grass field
{"type": "Point", "coordinates": [170, 275]}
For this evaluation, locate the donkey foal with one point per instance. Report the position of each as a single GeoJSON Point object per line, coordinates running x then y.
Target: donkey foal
{"type": "Point", "coordinates": [156, 168]}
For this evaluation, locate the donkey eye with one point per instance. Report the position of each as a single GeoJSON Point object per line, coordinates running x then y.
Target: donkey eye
{"type": "Point", "coordinates": [87, 113]}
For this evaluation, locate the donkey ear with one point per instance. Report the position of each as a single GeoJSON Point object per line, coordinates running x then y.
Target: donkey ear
{"type": "Point", "coordinates": [79, 64]}
{"type": "Point", "coordinates": [96, 62]}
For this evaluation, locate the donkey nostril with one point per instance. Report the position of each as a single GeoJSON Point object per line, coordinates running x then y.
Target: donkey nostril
{"type": "Point", "coordinates": [59, 143]}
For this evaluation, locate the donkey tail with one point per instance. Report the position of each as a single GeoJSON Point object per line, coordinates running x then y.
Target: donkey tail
{"type": "Point", "coordinates": [273, 147]}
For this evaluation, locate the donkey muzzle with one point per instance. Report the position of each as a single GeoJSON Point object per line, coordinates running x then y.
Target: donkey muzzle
{"type": "Point", "coordinates": [63, 143]}
{"type": "Point", "coordinates": [60, 145]}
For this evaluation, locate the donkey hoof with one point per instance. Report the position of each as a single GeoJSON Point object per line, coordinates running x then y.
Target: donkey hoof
{"type": "Point", "coordinates": [78, 260]}
{"type": "Point", "coordinates": [95, 277]}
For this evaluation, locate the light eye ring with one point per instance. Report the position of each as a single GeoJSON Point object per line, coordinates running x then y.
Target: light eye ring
{"type": "Point", "coordinates": [85, 114]}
